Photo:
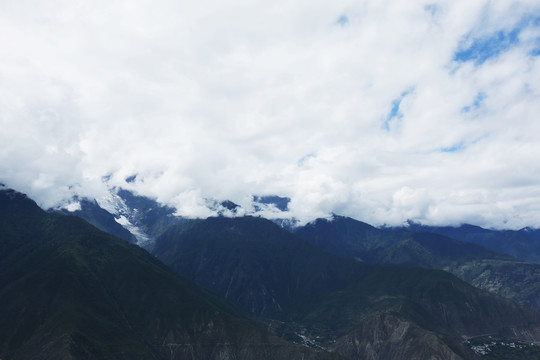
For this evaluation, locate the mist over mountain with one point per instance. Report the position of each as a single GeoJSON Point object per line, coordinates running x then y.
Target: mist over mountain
{"type": "Point", "coordinates": [237, 180]}
{"type": "Point", "coordinates": [383, 112]}
{"type": "Point", "coordinates": [413, 245]}
{"type": "Point", "coordinates": [280, 282]}
{"type": "Point", "coordinates": [69, 290]}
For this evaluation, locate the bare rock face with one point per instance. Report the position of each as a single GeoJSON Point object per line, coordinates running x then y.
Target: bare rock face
{"type": "Point", "coordinates": [386, 336]}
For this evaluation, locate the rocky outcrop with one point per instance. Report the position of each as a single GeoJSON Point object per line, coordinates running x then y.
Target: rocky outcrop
{"type": "Point", "coordinates": [388, 336]}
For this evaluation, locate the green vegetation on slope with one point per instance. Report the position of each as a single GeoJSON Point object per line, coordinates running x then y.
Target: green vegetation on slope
{"type": "Point", "coordinates": [312, 295]}
{"type": "Point", "coordinates": [69, 290]}
{"type": "Point", "coordinates": [519, 244]}
{"type": "Point", "coordinates": [479, 266]}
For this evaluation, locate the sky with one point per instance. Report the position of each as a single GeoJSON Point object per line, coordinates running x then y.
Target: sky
{"type": "Point", "coordinates": [382, 110]}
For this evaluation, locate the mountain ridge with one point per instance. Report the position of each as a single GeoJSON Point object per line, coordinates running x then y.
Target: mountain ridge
{"type": "Point", "coordinates": [482, 267]}
{"type": "Point", "coordinates": [69, 290]}
{"type": "Point", "coordinates": [321, 298]}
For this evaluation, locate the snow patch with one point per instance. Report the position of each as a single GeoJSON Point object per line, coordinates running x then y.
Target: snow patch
{"type": "Point", "coordinates": [141, 236]}
{"type": "Point", "coordinates": [124, 215]}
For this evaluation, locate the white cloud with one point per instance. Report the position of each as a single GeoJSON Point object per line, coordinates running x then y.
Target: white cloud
{"type": "Point", "coordinates": [223, 100]}
{"type": "Point", "coordinates": [73, 206]}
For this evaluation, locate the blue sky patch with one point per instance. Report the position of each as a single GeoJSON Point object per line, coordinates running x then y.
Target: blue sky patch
{"type": "Point", "coordinates": [342, 20]}
{"type": "Point", "coordinates": [453, 148]}
{"type": "Point", "coordinates": [536, 48]}
{"type": "Point", "coordinates": [432, 9]}
{"type": "Point", "coordinates": [478, 100]}
{"type": "Point", "coordinates": [395, 112]}
{"type": "Point", "coordinates": [487, 47]}
{"type": "Point", "coordinates": [305, 158]}
{"type": "Point", "coordinates": [535, 22]}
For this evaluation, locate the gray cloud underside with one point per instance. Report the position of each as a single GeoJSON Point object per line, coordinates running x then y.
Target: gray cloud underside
{"type": "Point", "coordinates": [384, 111]}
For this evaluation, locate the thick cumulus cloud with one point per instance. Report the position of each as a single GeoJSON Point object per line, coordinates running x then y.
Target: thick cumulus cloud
{"type": "Point", "coordinates": [380, 110]}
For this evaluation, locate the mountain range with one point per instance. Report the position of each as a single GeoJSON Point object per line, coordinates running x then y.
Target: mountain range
{"type": "Point", "coordinates": [71, 291]}
{"type": "Point", "coordinates": [480, 266]}
{"type": "Point", "coordinates": [250, 288]}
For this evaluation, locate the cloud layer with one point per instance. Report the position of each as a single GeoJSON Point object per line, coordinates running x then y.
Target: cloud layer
{"type": "Point", "coordinates": [380, 110]}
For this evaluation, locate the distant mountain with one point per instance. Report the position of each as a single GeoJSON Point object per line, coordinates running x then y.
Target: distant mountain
{"type": "Point", "coordinates": [252, 262]}
{"type": "Point", "coordinates": [141, 220]}
{"type": "Point", "coordinates": [281, 203]}
{"type": "Point", "coordinates": [481, 267]}
{"type": "Point", "coordinates": [90, 211]}
{"type": "Point", "coordinates": [136, 219]}
{"type": "Point", "coordinates": [435, 251]}
{"type": "Point", "coordinates": [523, 244]}
{"type": "Point", "coordinates": [349, 238]}
{"type": "Point", "coordinates": [342, 236]}
{"type": "Point", "coordinates": [70, 291]}
{"type": "Point", "coordinates": [143, 217]}
{"type": "Point", "coordinates": [535, 233]}
{"type": "Point", "coordinates": [306, 294]}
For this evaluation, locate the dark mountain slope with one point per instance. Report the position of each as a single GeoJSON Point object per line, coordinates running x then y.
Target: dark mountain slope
{"type": "Point", "coordinates": [321, 299]}
{"type": "Point", "coordinates": [534, 233]}
{"type": "Point", "coordinates": [348, 238]}
{"type": "Point", "coordinates": [435, 300]}
{"type": "Point", "coordinates": [100, 218]}
{"type": "Point", "coordinates": [351, 238]}
{"type": "Point", "coordinates": [519, 244]}
{"type": "Point", "coordinates": [254, 263]}
{"type": "Point", "coordinates": [434, 251]}
{"type": "Point", "coordinates": [481, 267]}
{"type": "Point", "coordinates": [513, 279]}
{"type": "Point", "coordinates": [70, 291]}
